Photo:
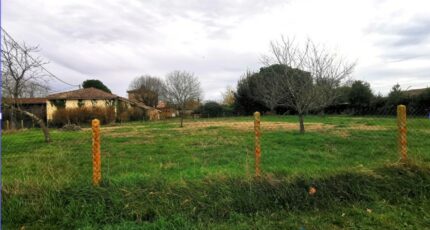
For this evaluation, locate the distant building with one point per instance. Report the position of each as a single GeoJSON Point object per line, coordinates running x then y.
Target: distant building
{"type": "Point", "coordinates": [92, 97]}
{"type": "Point", "coordinates": [415, 92]}
{"type": "Point", "coordinates": [150, 97]}
{"type": "Point", "coordinates": [166, 111]}
{"type": "Point", "coordinates": [35, 106]}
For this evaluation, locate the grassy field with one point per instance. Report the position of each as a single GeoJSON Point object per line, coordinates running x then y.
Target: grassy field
{"type": "Point", "coordinates": [159, 176]}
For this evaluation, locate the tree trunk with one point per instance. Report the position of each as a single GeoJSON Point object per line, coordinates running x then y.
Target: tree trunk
{"type": "Point", "coordinates": [301, 121]}
{"type": "Point", "coordinates": [182, 118]}
{"type": "Point", "coordinates": [12, 119]}
{"type": "Point", "coordinates": [40, 122]}
{"type": "Point", "coordinates": [272, 111]}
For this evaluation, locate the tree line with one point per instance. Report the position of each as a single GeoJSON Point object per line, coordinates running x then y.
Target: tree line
{"type": "Point", "coordinates": [355, 97]}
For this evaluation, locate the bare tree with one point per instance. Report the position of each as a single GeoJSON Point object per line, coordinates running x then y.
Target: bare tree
{"type": "Point", "coordinates": [310, 77]}
{"type": "Point", "coordinates": [148, 89]}
{"type": "Point", "coordinates": [22, 76]}
{"type": "Point", "coordinates": [181, 88]}
{"type": "Point", "coordinates": [21, 73]}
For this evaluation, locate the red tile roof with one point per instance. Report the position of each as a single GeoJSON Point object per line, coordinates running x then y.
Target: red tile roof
{"type": "Point", "coordinates": [85, 94]}
{"type": "Point", "coordinates": [25, 100]}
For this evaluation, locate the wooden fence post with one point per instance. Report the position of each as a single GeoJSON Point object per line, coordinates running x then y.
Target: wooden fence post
{"type": "Point", "coordinates": [7, 125]}
{"type": "Point", "coordinates": [22, 124]}
{"type": "Point", "coordinates": [401, 124]}
{"type": "Point", "coordinates": [257, 143]}
{"type": "Point", "coordinates": [97, 174]}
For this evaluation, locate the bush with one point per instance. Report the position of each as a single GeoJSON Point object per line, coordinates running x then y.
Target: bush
{"type": "Point", "coordinates": [211, 109]}
{"type": "Point", "coordinates": [83, 115]}
{"type": "Point", "coordinates": [71, 127]}
{"type": "Point", "coordinates": [132, 114]}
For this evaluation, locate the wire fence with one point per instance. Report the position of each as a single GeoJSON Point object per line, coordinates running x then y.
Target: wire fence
{"type": "Point", "coordinates": [226, 145]}
{"type": "Point", "coordinates": [213, 167]}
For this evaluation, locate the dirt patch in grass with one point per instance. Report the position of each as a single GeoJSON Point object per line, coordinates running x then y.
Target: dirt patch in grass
{"type": "Point", "coordinates": [341, 133]}
{"type": "Point", "coordinates": [366, 127]}
{"type": "Point", "coordinates": [133, 133]}
{"type": "Point", "coordinates": [249, 125]}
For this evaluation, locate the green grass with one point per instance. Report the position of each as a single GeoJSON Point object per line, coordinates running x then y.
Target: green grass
{"type": "Point", "coordinates": [159, 176]}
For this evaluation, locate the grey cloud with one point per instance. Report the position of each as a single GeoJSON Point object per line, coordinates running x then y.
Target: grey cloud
{"type": "Point", "coordinates": [411, 33]}
{"type": "Point", "coordinates": [398, 42]}
{"type": "Point", "coordinates": [382, 78]}
{"type": "Point", "coordinates": [118, 40]}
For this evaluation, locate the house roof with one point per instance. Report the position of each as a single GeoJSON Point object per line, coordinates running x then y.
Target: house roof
{"type": "Point", "coordinates": [136, 103]}
{"type": "Point", "coordinates": [133, 90]}
{"type": "Point", "coordinates": [85, 94]}
{"type": "Point", "coordinates": [26, 101]}
{"type": "Point", "coordinates": [415, 92]}
{"type": "Point", "coordinates": [94, 94]}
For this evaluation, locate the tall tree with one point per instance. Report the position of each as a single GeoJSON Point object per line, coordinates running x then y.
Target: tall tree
{"type": "Point", "coordinates": [94, 83]}
{"type": "Point", "coordinates": [148, 89]}
{"type": "Point", "coordinates": [360, 95]}
{"type": "Point", "coordinates": [181, 88]}
{"type": "Point", "coordinates": [22, 76]}
{"type": "Point", "coordinates": [245, 98]}
{"type": "Point", "coordinates": [268, 90]}
{"type": "Point", "coordinates": [310, 77]}
{"type": "Point", "coordinates": [396, 96]}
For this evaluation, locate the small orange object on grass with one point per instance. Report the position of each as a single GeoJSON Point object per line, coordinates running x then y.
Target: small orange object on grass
{"type": "Point", "coordinates": [312, 190]}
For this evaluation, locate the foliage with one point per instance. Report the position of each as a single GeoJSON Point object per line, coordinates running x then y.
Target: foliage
{"type": "Point", "coordinates": [309, 80]}
{"type": "Point", "coordinates": [82, 115]}
{"type": "Point", "coordinates": [132, 114]}
{"type": "Point", "coordinates": [363, 102]}
{"type": "Point", "coordinates": [245, 101]}
{"type": "Point", "coordinates": [228, 97]}
{"type": "Point", "coordinates": [95, 84]}
{"type": "Point", "coordinates": [396, 96]}
{"type": "Point", "coordinates": [360, 94]}
{"type": "Point", "coordinates": [211, 109]}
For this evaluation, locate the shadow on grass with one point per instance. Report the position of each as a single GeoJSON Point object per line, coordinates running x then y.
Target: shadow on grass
{"type": "Point", "coordinates": [214, 199]}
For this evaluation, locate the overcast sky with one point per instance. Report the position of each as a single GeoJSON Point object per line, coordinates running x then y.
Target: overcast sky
{"type": "Point", "coordinates": [116, 41]}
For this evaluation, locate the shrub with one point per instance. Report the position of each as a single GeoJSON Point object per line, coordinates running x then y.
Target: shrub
{"type": "Point", "coordinates": [132, 114]}
{"type": "Point", "coordinates": [213, 109]}
{"type": "Point", "coordinates": [83, 115]}
{"type": "Point", "coordinates": [71, 127]}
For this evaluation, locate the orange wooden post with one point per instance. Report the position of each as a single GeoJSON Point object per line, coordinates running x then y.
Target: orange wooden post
{"type": "Point", "coordinates": [97, 173]}
{"type": "Point", "coordinates": [401, 124]}
{"type": "Point", "coordinates": [257, 143]}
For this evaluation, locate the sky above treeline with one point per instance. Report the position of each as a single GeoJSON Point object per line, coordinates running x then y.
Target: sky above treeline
{"type": "Point", "coordinates": [115, 41]}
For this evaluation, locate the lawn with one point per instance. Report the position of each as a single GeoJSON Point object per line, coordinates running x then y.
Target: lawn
{"type": "Point", "coordinates": [159, 176]}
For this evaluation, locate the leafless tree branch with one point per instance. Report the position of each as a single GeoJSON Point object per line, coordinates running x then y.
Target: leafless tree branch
{"type": "Point", "coordinates": [181, 88]}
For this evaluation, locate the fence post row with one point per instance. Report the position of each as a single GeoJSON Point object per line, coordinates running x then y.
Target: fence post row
{"type": "Point", "coordinates": [401, 124]}
{"type": "Point", "coordinates": [96, 152]}
{"type": "Point", "coordinates": [257, 143]}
